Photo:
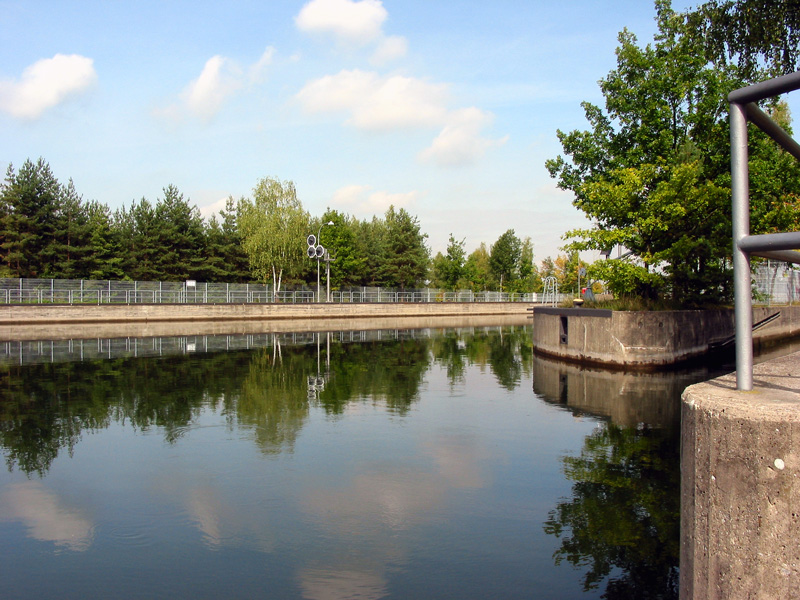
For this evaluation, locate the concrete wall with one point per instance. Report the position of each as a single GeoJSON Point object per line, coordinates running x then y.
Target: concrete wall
{"type": "Point", "coordinates": [628, 398]}
{"type": "Point", "coordinates": [121, 313]}
{"type": "Point", "coordinates": [139, 329]}
{"type": "Point", "coordinates": [740, 486]}
{"type": "Point", "coordinates": [646, 339]}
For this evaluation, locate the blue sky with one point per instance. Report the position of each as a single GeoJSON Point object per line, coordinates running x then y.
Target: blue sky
{"type": "Point", "coordinates": [448, 109]}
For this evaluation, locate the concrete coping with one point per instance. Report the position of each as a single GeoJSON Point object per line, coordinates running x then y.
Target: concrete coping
{"type": "Point", "coordinates": [775, 394]}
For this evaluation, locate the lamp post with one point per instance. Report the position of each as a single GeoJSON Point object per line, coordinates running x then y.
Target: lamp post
{"type": "Point", "coordinates": [319, 241]}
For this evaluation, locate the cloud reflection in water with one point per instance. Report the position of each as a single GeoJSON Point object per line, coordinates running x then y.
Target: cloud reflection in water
{"type": "Point", "coordinates": [47, 517]}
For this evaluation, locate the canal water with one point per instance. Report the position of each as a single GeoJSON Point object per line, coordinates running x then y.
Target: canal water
{"type": "Point", "coordinates": [424, 463]}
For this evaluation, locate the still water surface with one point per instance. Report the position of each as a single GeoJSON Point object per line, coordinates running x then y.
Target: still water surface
{"type": "Point", "coordinates": [396, 464]}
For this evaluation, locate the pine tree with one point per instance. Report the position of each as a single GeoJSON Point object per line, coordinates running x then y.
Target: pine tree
{"type": "Point", "coordinates": [30, 200]}
{"type": "Point", "coordinates": [407, 257]}
{"type": "Point", "coordinates": [71, 235]}
{"type": "Point", "coordinates": [103, 259]}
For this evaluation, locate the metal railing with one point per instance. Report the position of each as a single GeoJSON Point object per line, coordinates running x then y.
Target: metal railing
{"type": "Point", "coordinates": [84, 291]}
{"type": "Point", "coordinates": [776, 246]}
{"type": "Point", "coordinates": [431, 295]}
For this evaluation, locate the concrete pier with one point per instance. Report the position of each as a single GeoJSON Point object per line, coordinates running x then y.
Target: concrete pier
{"type": "Point", "coordinates": [650, 339]}
{"type": "Point", "coordinates": [740, 489]}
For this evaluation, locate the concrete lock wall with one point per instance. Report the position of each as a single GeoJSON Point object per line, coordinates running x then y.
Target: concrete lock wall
{"type": "Point", "coordinates": [65, 321]}
{"type": "Point", "coordinates": [639, 339]}
{"type": "Point", "coordinates": [18, 314]}
{"type": "Point", "coordinates": [740, 486]}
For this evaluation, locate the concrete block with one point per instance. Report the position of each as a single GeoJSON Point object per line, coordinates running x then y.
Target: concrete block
{"type": "Point", "coordinates": [740, 486]}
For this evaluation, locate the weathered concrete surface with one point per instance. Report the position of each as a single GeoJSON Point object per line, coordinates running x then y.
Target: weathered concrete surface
{"type": "Point", "coordinates": [628, 398]}
{"type": "Point", "coordinates": [14, 315]}
{"type": "Point", "coordinates": [651, 339]}
{"type": "Point", "coordinates": [740, 489]}
{"type": "Point", "coordinates": [140, 329]}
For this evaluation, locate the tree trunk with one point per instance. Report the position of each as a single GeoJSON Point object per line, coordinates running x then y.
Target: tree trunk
{"type": "Point", "coordinates": [276, 283]}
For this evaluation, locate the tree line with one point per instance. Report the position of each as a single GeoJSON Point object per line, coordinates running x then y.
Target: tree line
{"type": "Point", "coordinates": [651, 172]}
{"type": "Point", "coordinates": [48, 231]}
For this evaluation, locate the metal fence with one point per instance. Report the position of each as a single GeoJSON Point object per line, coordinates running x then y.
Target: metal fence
{"type": "Point", "coordinates": [776, 283]}
{"type": "Point", "coordinates": [87, 291]}
{"type": "Point", "coordinates": [78, 350]}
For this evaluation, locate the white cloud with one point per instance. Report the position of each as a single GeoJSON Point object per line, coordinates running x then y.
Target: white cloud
{"type": "Point", "coordinates": [341, 92]}
{"type": "Point", "coordinates": [461, 142]}
{"type": "Point", "coordinates": [375, 102]}
{"type": "Point", "coordinates": [257, 70]}
{"type": "Point", "coordinates": [389, 49]}
{"type": "Point", "coordinates": [350, 22]}
{"type": "Point", "coordinates": [357, 199]}
{"type": "Point", "coordinates": [350, 195]}
{"type": "Point", "coordinates": [45, 84]}
{"type": "Point", "coordinates": [211, 206]}
{"type": "Point", "coordinates": [219, 80]}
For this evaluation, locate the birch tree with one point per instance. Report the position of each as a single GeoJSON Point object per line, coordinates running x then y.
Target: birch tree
{"type": "Point", "coordinates": [274, 226]}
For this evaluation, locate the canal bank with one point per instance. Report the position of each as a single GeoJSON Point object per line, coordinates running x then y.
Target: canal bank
{"type": "Point", "coordinates": [40, 314]}
{"type": "Point", "coordinates": [48, 322]}
{"type": "Point", "coordinates": [650, 339]}
{"type": "Point", "coordinates": [151, 329]}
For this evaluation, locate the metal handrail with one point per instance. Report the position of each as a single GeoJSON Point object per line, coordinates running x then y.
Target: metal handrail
{"type": "Point", "coordinates": [779, 246]}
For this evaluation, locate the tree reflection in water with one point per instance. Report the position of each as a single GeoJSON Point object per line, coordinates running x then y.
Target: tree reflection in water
{"type": "Point", "coordinates": [623, 519]}
{"type": "Point", "coordinates": [622, 523]}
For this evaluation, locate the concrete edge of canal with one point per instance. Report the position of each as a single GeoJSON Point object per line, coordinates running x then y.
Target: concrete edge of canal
{"type": "Point", "coordinates": [650, 340]}
{"type": "Point", "coordinates": [40, 322]}
{"type": "Point", "coordinates": [740, 490]}
{"type": "Point", "coordinates": [121, 313]}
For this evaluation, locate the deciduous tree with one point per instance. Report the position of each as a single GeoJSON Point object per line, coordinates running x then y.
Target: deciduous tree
{"type": "Point", "coordinates": [448, 269]}
{"type": "Point", "coordinates": [504, 258]}
{"type": "Point", "coordinates": [653, 170]}
{"type": "Point", "coordinates": [274, 227]}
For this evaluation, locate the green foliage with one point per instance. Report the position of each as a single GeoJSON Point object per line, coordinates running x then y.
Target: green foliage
{"type": "Point", "coordinates": [340, 239]}
{"type": "Point", "coordinates": [71, 238]}
{"type": "Point", "coordinates": [180, 237]}
{"type": "Point", "coordinates": [529, 278]}
{"type": "Point", "coordinates": [371, 240]}
{"type": "Point", "coordinates": [30, 200]}
{"type": "Point", "coordinates": [448, 270]}
{"type": "Point", "coordinates": [624, 513]}
{"type": "Point", "coordinates": [477, 270]}
{"type": "Point", "coordinates": [652, 172]}
{"type": "Point", "coordinates": [104, 255]}
{"type": "Point", "coordinates": [274, 227]}
{"type": "Point", "coordinates": [753, 32]}
{"type": "Point", "coordinates": [625, 278]}
{"type": "Point", "coordinates": [504, 258]}
{"type": "Point", "coordinates": [405, 255]}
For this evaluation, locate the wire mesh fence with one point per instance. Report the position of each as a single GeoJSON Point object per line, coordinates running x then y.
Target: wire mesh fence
{"type": "Point", "coordinates": [88, 291]}
{"type": "Point", "coordinates": [776, 283]}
